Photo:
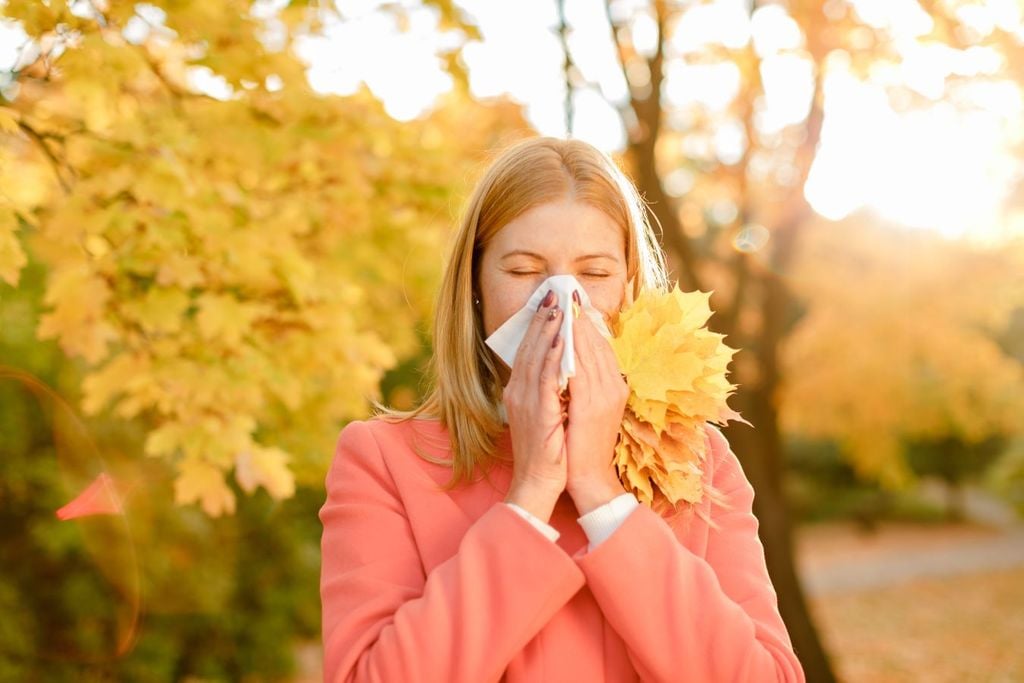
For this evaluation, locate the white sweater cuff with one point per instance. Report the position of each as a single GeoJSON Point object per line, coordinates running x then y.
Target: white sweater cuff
{"type": "Point", "coordinates": [601, 522]}
{"type": "Point", "coordinates": [546, 529]}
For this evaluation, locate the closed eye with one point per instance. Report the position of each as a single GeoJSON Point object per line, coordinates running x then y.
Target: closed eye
{"type": "Point", "coordinates": [533, 272]}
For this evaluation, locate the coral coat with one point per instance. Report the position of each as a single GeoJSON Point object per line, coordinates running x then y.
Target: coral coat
{"type": "Point", "coordinates": [419, 584]}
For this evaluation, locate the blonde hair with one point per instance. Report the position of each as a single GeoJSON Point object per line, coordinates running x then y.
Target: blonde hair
{"type": "Point", "coordinates": [466, 389]}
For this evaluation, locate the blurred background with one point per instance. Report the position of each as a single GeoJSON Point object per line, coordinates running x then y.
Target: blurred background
{"type": "Point", "coordinates": [221, 224]}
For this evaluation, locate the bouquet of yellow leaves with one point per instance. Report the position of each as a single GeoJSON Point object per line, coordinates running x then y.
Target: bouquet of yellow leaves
{"type": "Point", "coordinates": [676, 371]}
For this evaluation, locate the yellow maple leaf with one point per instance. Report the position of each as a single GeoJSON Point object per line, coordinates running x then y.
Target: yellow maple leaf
{"type": "Point", "coordinates": [78, 298]}
{"type": "Point", "coordinates": [9, 120]}
{"type": "Point", "coordinates": [200, 481]}
{"type": "Point", "coordinates": [123, 374]}
{"type": "Point", "coordinates": [223, 317]}
{"type": "Point", "coordinates": [266, 467]}
{"type": "Point", "coordinates": [159, 310]}
{"type": "Point", "coordinates": [676, 371]}
{"type": "Point", "coordinates": [12, 257]}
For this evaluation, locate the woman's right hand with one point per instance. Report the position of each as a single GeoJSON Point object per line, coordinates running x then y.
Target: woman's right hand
{"type": "Point", "coordinates": [535, 411]}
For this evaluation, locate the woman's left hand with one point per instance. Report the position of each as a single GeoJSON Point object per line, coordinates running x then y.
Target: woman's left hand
{"type": "Point", "coordinates": [597, 402]}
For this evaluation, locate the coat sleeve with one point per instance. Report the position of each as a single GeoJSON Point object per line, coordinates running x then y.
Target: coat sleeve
{"type": "Point", "coordinates": [684, 617]}
{"type": "Point", "coordinates": [384, 620]}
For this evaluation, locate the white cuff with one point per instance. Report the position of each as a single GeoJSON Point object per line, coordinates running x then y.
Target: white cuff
{"type": "Point", "coordinates": [551, 532]}
{"type": "Point", "coordinates": [599, 523]}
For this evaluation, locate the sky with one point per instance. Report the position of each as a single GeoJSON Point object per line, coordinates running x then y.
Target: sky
{"type": "Point", "coordinates": [940, 168]}
{"type": "Point", "coordinates": [944, 168]}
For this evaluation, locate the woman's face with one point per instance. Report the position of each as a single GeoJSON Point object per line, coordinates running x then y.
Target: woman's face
{"type": "Point", "coordinates": [557, 238]}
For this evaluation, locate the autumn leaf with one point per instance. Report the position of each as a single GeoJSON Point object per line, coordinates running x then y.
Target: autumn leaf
{"type": "Point", "coordinates": [8, 120]}
{"type": "Point", "coordinates": [12, 257]}
{"type": "Point", "coordinates": [236, 274]}
{"type": "Point", "coordinates": [676, 371]}
{"type": "Point", "coordinates": [225, 318]}
{"type": "Point", "coordinates": [266, 467]}
{"type": "Point", "coordinates": [200, 481]}
{"type": "Point", "coordinates": [124, 374]}
{"type": "Point", "coordinates": [160, 310]}
{"type": "Point", "coordinates": [78, 297]}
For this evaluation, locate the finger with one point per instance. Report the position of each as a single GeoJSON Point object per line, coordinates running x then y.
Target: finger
{"type": "Point", "coordinates": [579, 384]}
{"type": "Point", "coordinates": [581, 345]}
{"type": "Point", "coordinates": [604, 354]}
{"type": "Point", "coordinates": [608, 370]}
{"type": "Point", "coordinates": [540, 353]}
{"type": "Point", "coordinates": [529, 342]}
{"type": "Point", "coordinates": [549, 371]}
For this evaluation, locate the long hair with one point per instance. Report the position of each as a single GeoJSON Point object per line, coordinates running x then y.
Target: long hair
{"type": "Point", "coordinates": [465, 390]}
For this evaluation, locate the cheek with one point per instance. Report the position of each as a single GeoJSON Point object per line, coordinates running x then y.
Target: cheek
{"type": "Point", "coordinates": [504, 302]}
{"type": "Point", "coordinates": [605, 296]}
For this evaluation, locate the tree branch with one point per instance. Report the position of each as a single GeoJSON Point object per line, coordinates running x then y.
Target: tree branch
{"type": "Point", "coordinates": [40, 140]}
{"type": "Point", "coordinates": [567, 67]}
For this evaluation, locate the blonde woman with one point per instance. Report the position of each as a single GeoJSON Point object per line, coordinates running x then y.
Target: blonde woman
{"type": "Point", "coordinates": [484, 536]}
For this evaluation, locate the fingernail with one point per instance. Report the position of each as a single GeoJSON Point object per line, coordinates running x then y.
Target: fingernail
{"type": "Point", "coordinates": [548, 298]}
{"type": "Point", "coordinates": [576, 296]}
{"type": "Point", "coordinates": [554, 342]}
{"type": "Point", "coordinates": [553, 313]}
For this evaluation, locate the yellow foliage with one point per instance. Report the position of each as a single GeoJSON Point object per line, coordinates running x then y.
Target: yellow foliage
{"type": "Point", "coordinates": [8, 120]}
{"type": "Point", "coordinates": [675, 368]}
{"type": "Point", "coordinates": [12, 258]}
{"type": "Point", "coordinates": [266, 467]}
{"type": "Point", "coordinates": [899, 343]}
{"type": "Point", "coordinates": [200, 481]}
{"type": "Point", "coordinates": [78, 298]}
{"type": "Point", "coordinates": [159, 310]}
{"type": "Point", "coordinates": [223, 317]}
{"type": "Point", "coordinates": [238, 274]}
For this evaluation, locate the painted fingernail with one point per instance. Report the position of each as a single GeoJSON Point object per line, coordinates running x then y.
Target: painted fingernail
{"type": "Point", "coordinates": [546, 301]}
{"type": "Point", "coordinates": [554, 313]}
{"type": "Point", "coordinates": [554, 342]}
{"type": "Point", "coordinates": [576, 296]}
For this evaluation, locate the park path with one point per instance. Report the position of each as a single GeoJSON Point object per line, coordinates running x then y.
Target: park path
{"type": "Point", "coordinates": [839, 558]}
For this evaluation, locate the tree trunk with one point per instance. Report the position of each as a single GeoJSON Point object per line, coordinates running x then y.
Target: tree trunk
{"type": "Point", "coordinates": [760, 453]}
{"type": "Point", "coordinates": [759, 450]}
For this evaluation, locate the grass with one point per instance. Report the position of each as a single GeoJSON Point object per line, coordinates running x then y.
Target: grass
{"type": "Point", "coordinates": [963, 629]}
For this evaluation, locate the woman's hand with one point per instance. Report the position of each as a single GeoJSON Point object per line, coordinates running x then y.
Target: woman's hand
{"type": "Point", "coordinates": [597, 402]}
{"type": "Point", "coordinates": [535, 415]}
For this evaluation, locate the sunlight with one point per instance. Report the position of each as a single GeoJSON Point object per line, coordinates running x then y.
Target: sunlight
{"type": "Point", "coordinates": [944, 167]}
{"type": "Point", "coordinates": [939, 168]}
{"type": "Point", "coordinates": [400, 68]}
{"type": "Point", "coordinates": [788, 86]}
{"type": "Point", "coordinates": [774, 31]}
{"type": "Point", "coordinates": [12, 37]}
{"type": "Point", "coordinates": [713, 85]}
{"type": "Point", "coordinates": [904, 18]}
{"type": "Point", "coordinates": [725, 22]}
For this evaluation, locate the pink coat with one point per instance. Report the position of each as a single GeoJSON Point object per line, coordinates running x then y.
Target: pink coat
{"type": "Point", "coordinates": [419, 584]}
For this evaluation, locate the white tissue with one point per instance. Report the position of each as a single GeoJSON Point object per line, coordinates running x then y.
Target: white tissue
{"type": "Point", "coordinates": [506, 339]}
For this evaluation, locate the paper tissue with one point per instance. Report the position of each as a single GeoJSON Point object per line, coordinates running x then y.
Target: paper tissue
{"type": "Point", "coordinates": [506, 339]}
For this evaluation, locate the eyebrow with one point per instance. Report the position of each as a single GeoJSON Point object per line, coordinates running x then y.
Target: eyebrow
{"type": "Point", "coordinates": [533, 254]}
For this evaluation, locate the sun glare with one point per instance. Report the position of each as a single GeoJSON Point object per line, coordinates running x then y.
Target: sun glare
{"type": "Point", "coordinates": [941, 167]}
{"type": "Point", "coordinates": [946, 166]}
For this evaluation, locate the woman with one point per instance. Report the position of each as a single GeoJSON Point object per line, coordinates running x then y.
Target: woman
{"type": "Point", "coordinates": [545, 569]}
